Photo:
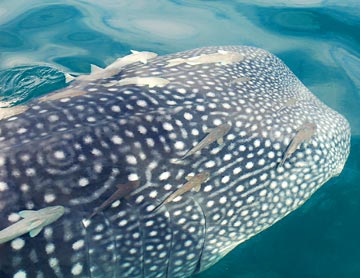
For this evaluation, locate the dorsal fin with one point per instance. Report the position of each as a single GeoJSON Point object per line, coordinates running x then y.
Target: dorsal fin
{"type": "Point", "coordinates": [134, 51]}
{"type": "Point", "coordinates": [68, 77]}
{"type": "Point", "coordinates": [95, 68]}
{"type": "Point", "coordinates": [27, 213]}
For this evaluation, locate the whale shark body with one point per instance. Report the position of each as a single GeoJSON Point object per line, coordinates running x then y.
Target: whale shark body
{"type": "Point", "coordinates": [77, 146]}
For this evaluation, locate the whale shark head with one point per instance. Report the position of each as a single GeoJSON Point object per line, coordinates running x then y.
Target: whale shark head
{"type": "Point", "coordinates": [79, 146]}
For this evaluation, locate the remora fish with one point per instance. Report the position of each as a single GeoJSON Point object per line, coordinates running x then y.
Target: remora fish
{"type": "Point", "coordinates": [303, 134]}
{"type": "Point", "coordinates": [215, 134]}
{"type": "Point", "coordinates": [33, 222]}
{"type": "Point", "coordinates": [73, 151]}
{"type": "Point", "coordinates": [194, 182]}
{"type": "Point", "coordinates": [122, 191]}
{"type": "Point", "coordinates": [115, 67]}
{"type": "Point", "coordinates": [143, 81]}
{"type": "Point", "coordinates": [222, 57]}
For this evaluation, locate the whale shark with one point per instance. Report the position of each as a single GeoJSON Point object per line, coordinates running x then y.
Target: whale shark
{"type": "Point", "coordinates": [76, 147]}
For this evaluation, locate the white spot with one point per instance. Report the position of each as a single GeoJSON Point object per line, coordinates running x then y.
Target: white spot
{"type": "Point", "coordinates": [83, 182]}
{"type": "Point", "coordinates": [181, 91]}
{"type": "Point", "coordinates": [22, 130]}
{"type": "Point", "coordinates": [123, 223]}
{"type": "Point", "coordinates": [188, 243]}
{"type": "Point", "coordinates": [115, 108]}
{"type": "Point", "coordinates": [117, 140]}
{"type": "Point", "coordinates": [150, 142]}
{"type": "Point", "coordinates": [225, 179]}
{"type": "Point", "coordinates": [164, 175]}
{"type": "Point", "coordinates": [3, 186]}
{"type": "Point", "coordinates": [167, 126]}
{"type": "Point", "coordinates": [222, 200]}
{"type": "Point", "coordinates": [188, 116]}
{"type": "Point", "coordinates": [284, 184]}
{"type": "Point", "coordinates": [237, 170]}
{"type": "Point", "coordinates": [78, 244]}
{"type": "Point", "coordinates": [153, 194]}
{"type": "Point", "coordinates": [139, 199]}
{"type": "Point", "coordinates": [53, 262]}
{"type": "Point", "coordinates": [49, 248]}
{"type": "Point", "coordinates": [59, 155]}
{"type": "Point", "coordinates": [20, 274]}
{"type": "Point", "coordinates": [53, 118]}
{"type": "Point", "coordinates": [210, 203]}
{"type": "Point", "coordinates": [49, 198]}
{"type": "Point", "coordinates": [13, 217]}
{"type": "Point", "coordinates": [250, 199]}
{"type": "Point", "coordinates": [141, 103]}
{"type": "Point", "coordinates": [133, 177]}
{"type": "Point", "coordinates": [210, 164]}
{"type": "Point", "coordinates": [249, 165]}
{"type": "Point", "coordinates": [179, 145]}
{"type": "Point", "coordinates": [17, 244]}
{"type": "Point", "coordinates": [240, 188]}
{"type": "Point", "coordinates": [142, 129]}
{"type": "Point", "coordinates": [77, 269]}
{"type": "Point", "coordinates": [131, 159]}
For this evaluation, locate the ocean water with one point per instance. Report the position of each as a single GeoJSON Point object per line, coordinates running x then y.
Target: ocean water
{"type": "Point", "coordinates": [318, 40]}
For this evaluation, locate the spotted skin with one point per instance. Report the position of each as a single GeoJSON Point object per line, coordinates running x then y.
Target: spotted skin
{"type": "Point", "coordinates": [73, 151]}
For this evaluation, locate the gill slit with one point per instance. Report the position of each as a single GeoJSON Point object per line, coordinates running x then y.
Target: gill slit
{"type": "Point", "coordinates": [113, 239]}
{"type": "Point", "coordinates": [198, 264]}
{"type": "Point", "coordinates": [87, 249]}
{"type": "Point", "coordinates": [171, 243]}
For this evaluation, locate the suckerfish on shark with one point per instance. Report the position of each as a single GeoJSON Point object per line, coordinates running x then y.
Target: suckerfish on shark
{"type": "Point", "coordinates": [222, 57]}
{"type": "Point", "coordinates": [33, 222]}
{"type": "Point", "coordinates": [194, 182]}
{"type": "Point", "coordinates": [115, 67]}
{"type": "Point", "coordinates": [122, 191]}
{"type": "Point", "coordinates": [303, 134]}
{"type": "Point", "coordinates": [151, 82]}
{"type": "Point", "coordinates": [215, 134]}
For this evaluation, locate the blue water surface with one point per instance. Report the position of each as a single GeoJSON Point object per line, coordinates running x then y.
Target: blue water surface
{"type": "Point", "coordinates": [318, 40]}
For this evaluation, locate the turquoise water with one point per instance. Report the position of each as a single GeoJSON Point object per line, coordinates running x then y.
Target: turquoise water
{"type": "Point", "coordinates": [318, 40]}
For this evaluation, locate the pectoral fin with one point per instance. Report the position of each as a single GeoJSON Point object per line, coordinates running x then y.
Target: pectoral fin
{"type": "Point", "coordinates": [144, 61]}
{"type": "Point", "coordinates": [189, 177]}
{"type": "Point", "coordinates": [220, 141]}
{"type": "Point", "coordinates": [197, 187]}
{"type": "Point", "coordinates": [35, 232]}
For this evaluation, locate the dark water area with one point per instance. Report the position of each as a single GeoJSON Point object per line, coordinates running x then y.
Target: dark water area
{"type": "Point", "coordinates": [318, 40]}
